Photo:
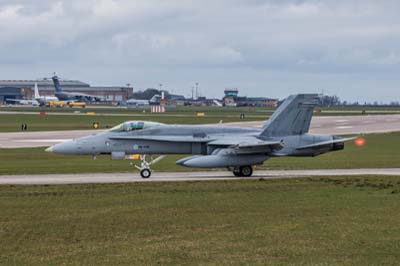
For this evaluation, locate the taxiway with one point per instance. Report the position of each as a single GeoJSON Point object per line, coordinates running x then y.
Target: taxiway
{"type": "Point", "coordinates": [102, 178]}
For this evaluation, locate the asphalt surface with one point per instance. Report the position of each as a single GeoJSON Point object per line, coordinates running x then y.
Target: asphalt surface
{"type": "Point", "coordinates": [345, 125]}
{"type": "Point", "coordinates": [40, 138]}
{"type": "Point", "coordinates": [57, 179]}
{"type": "Point", "coordinates": [336, 125]}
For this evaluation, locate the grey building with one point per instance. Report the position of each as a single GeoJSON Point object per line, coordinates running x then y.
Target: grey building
{"type": "Point", "coordinates": [23, 89]}
{"type": "Point", "coordinates": [7, 92]}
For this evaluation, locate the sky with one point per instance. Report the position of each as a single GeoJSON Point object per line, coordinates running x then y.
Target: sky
{"type": "Point", "coordinates": [269, 48]}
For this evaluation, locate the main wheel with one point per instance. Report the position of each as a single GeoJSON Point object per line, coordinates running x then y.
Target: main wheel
{"type": "Point", "coordinates": [145, 173]}
{"type": "Point", "coordinates": [246, 171]}
{"type": "Point", "coordinates": [236, 172]}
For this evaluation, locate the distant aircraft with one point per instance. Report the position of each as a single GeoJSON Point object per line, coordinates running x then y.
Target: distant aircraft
{"type": "Point", "coordinates": [156, 99]}
{"type": "Point", "coordinates": [213, 146]}
{"type": "Point", "coordinates": [43, 100]}
{"type": "Point", "coordinates": [72, 96]}
{"type": "Point", "coordinates": [217, 103]}
{"type": "Point", "coordinates": [136, 102]}
{"type": "Point", "coordinates": [22, 102]}
{"type": "Point", "coordinates": [34, 102]}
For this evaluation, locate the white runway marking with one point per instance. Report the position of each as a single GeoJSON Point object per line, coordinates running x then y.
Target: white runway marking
{"type": "Point", "coordinates": [41, 140]}
{"type": "Point", "coordinates": [344, 127]}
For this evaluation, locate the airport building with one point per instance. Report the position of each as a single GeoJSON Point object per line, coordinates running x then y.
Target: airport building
{"type": "Point", "coordinates": [232, 98]}
{"type": "Point", "coordinates": [24, 89]}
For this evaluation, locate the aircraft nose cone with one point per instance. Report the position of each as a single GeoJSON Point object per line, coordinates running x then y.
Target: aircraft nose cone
{"type": "Point", "coordinates": [67, 147]}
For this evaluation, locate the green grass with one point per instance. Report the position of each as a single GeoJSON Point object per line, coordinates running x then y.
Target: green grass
{"type": "Point", "coordinates": [380, 151]}
{"type": "Point", "coordinates": [319, 221]}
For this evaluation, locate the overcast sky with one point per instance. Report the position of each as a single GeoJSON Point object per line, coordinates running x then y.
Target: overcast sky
{"type": "Point", "coordinates": [264, 48]}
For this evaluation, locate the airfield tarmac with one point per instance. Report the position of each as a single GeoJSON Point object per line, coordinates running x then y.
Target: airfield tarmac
{"type": "Point", "coordinates": [102, 178]}
{"type": "Point", "coordinates": [336, 125]}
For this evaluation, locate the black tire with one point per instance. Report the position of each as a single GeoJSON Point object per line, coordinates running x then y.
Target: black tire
{"type": "Point", "coordinates": [145, 173]}
{"type": "Point", "coordinates": [236, 173]}
{"type": "Point", "coordinates": [246, 171]}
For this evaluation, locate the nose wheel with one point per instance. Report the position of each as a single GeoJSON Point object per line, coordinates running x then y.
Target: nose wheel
{"type": "Point", "coordinates": [144, 168]}
{"type": "Point", "coordinates": [145, 173]}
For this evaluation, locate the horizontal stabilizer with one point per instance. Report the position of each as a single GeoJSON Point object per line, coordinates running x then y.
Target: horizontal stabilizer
{"type": "Point", "coordinates": [246, 143]}
{"type": "Point", "coordinates": [324, 143]}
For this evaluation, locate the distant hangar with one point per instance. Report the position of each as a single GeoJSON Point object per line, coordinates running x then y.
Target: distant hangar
{"type": "Point", "coordinates": [23, 89]}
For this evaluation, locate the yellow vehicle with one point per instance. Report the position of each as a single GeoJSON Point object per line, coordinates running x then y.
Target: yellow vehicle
{"type": "Point", "coordinates": [77, 104]}
{"type": "Point", "coordinates": [55, 104]}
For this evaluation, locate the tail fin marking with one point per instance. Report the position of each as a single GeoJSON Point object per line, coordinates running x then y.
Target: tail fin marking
{"type": "Point", "coordinates": [56, 83]}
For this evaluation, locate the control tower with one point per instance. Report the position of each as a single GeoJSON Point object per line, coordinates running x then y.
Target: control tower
{"type": "Point", "coordinates": [231, 93]}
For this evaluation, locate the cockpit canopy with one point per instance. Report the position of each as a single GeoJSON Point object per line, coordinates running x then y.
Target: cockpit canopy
{"type": "Point", "coordinates": [134, 125]}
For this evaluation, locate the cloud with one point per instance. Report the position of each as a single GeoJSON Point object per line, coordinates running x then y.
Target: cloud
{"type": "Point", "coordinates": [317, 44]}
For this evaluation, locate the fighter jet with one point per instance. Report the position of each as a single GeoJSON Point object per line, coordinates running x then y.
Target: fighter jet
{"type": "Point", "coordinates": [71, 96]}
{"type": "Point", "coordinates": [213, 146]}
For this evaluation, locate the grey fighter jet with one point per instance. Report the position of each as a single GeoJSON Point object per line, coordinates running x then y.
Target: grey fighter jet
{"type": "Point", "coordinates": [213, 146]}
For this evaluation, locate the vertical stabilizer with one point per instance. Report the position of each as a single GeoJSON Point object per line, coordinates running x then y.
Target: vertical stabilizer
{"type": "Point", "coordinates": [36, 92]}
{"type": "Point", "coordinates": [293, 117]}
{"type": "Point", "coordinates": [56, 82]}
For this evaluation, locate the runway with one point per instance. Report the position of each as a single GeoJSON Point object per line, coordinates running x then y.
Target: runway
{"type": "Point", "coordinates": [345, 125]}
{"type": "Point", "coordinates": [336, 125]}
{"type": "Point", "coordinates": [40, 138]}
{"type": "Point", "coordinates": [101, 178]}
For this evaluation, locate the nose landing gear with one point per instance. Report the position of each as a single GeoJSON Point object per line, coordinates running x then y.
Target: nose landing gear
{"type": "Point", "coordinates": [144, 168]}
{"type": "Point", "coordinates": [145, 173]}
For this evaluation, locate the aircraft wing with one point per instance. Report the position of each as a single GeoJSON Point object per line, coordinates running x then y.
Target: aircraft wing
{"type": "Point", "coordinates": [22, 101]}
{"type": "Point", "coordinates": [324, 143]}
{"type": "Point", "coordinates": [16, 100]}
{"type": "Point", "coordinates": [163, 138]}
{"type": "Point", "coordinates": [241, 145]}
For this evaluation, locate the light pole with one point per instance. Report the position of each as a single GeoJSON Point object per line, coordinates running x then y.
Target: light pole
{"type": "Point", "coordinates": [128, 85]}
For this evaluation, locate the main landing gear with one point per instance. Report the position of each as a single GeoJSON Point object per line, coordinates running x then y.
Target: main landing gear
{"type": "Point", "coordinates": [243, 171]}
{"type": "Point", "coordinates": [144, 168]}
